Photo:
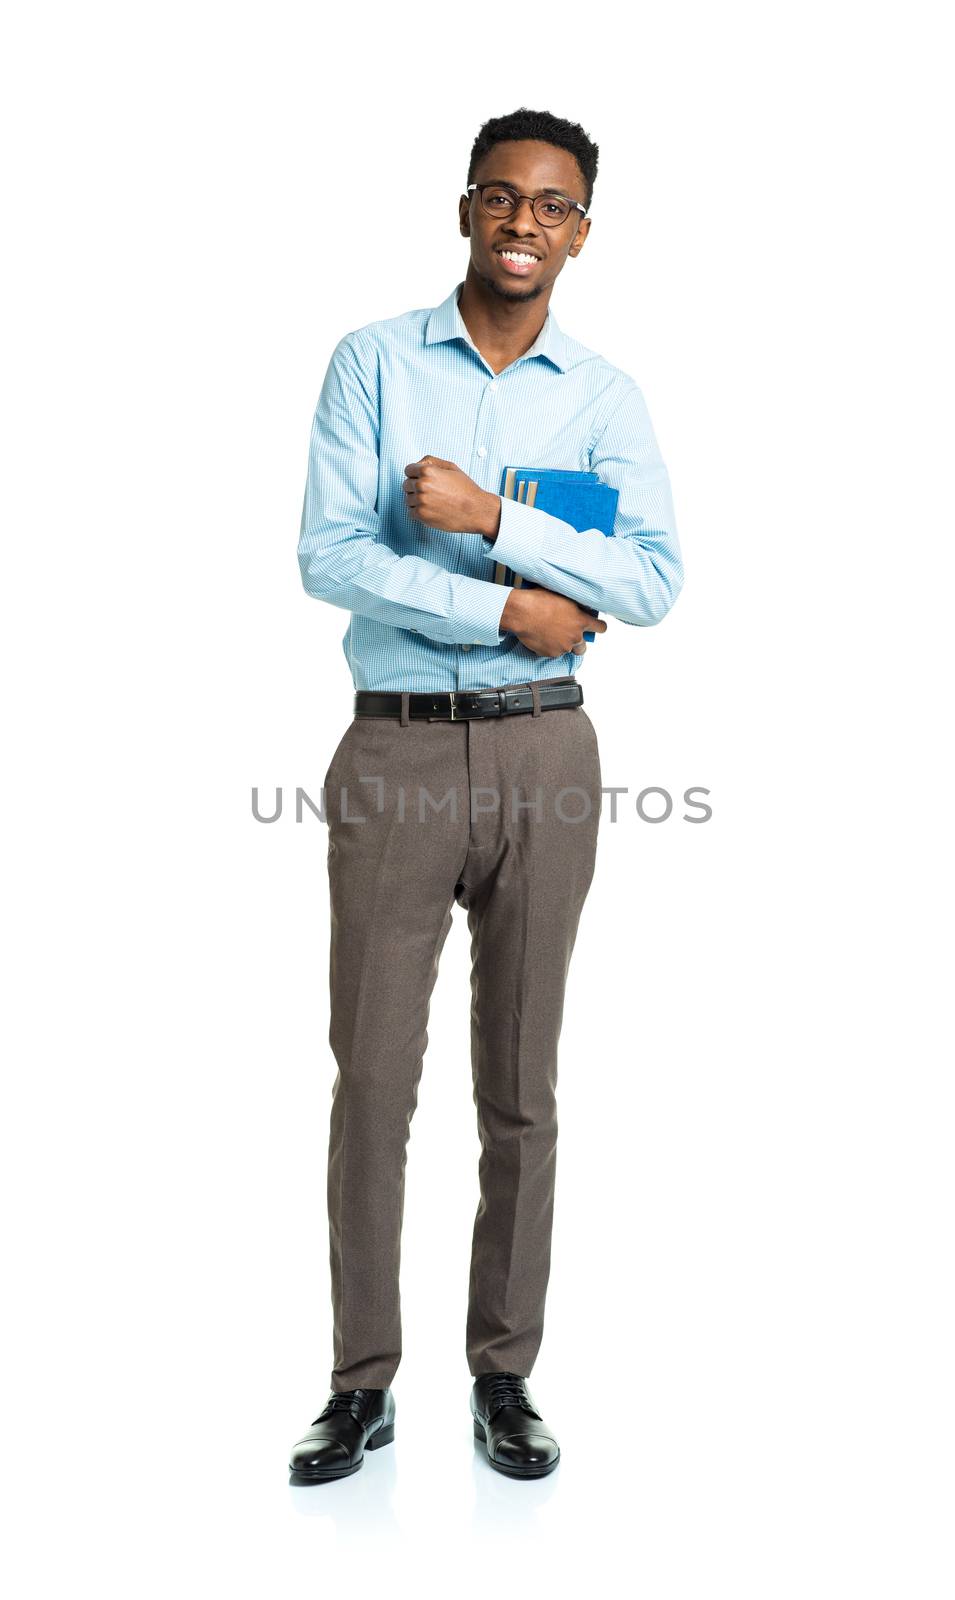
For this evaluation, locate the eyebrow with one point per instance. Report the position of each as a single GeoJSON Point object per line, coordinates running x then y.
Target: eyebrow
{"type": "Point", "coordinates": [505, 183]}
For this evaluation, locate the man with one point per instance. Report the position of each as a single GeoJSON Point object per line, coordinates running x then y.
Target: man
{"type": "Point", "coordinates": [468, 687]}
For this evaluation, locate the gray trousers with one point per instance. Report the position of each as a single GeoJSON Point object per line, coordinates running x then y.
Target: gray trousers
{"type": "Point", "coordinates": [500, 816]}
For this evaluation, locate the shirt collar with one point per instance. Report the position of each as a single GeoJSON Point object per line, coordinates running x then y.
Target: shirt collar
{"type": "Point", "coordinates": [446, 322]}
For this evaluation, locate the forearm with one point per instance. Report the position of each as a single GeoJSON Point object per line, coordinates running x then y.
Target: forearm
{"type": "Point", "coordinates": [635, 578]}
{"type": "Point", "coordinates": [356, 572]}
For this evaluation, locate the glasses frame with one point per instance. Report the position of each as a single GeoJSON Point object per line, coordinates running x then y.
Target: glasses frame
{"type": "Point", "coordinates": [533, 198]}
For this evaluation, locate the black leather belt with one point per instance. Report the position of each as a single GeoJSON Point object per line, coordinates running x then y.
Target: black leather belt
{"type": "Point", "coordinates": [464, 705]}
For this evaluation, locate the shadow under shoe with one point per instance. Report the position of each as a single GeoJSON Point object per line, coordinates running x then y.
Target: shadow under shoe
{"type": "Point", "coordinates": [335, 1444]}
{"type": "Point", "coordinates": [519, 1442]}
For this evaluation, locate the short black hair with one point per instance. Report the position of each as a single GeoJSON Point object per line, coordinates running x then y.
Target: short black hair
{"type": "Point", "coordinates": [526, 124]}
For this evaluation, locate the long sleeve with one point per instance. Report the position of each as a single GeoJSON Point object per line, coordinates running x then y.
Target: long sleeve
{"type": "Point", "coordinates": [635, 576]}
{"type": "Point", "coordinates": [341, 557]}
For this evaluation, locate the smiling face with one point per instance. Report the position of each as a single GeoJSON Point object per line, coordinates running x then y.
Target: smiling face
{"type": "Point", "coordinates": [529, 166]}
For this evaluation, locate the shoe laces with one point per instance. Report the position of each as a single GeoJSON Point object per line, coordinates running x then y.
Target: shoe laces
{"type": "Point", "coordinates": [507, 1389]}
{"type": "Point", "coordinates": [354, 1401]}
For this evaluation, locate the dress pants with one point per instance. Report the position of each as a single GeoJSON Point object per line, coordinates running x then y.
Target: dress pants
{"type": "Point", "coordinates": [500, 816]}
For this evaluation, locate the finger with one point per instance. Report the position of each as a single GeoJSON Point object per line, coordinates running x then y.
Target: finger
{"type": "Point", "coordinates": [579, 649]}
{"type": "Point", "coordinates": [588, 620]}
{"type": "Point", "coordinates": [413, 469]}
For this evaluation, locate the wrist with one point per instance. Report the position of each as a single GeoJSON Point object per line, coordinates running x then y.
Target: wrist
{"type": "Point", "coordinates": [491, 517]}
{"type": "Point", "coordinates": [514, 615]}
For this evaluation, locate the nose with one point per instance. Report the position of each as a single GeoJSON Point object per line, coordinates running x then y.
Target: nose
{"type": "Point", "coordinates": [518, 209]}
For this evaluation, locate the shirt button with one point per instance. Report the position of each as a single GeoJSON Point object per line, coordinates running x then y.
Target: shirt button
{"type": "Point", "coordinates": [492, 384]}
{"type": "Point", "coordinates": [481, 450]}
{"type": "Point", "coordinates": [465, 647]}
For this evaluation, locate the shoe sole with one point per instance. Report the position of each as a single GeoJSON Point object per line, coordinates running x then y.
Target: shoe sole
{"type": "Point", "coordinates": [514, 1472]}
{"type": "Point", "coordinates": [375, 1442]}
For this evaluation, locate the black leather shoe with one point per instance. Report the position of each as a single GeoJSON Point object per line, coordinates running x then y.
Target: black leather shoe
{"type": "Point", "coordinates": [335, 1444]}
{"type": "Point", "coordinates": [518, 1440]}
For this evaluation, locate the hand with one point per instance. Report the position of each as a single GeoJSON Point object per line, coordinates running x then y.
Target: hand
{"type": "Point", "coordinates": [440, 495]}
{"type": "Point", "coordinates": [548, 623]}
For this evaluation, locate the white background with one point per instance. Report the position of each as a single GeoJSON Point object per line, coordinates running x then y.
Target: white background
{"type": "Point", "coordinates": [747, 1357]}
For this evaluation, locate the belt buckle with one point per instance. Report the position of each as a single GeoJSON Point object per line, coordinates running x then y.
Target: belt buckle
{"type": "Point", "coordinates": [465, 716]}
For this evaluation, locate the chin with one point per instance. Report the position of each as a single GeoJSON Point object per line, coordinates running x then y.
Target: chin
{"type": "Point", "coordinates": [506, 293]}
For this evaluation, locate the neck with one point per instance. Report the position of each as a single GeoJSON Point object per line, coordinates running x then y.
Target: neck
{"type": "Point", "coordinates": [502, 328]}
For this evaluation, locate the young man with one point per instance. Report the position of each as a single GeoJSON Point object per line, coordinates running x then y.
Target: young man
{"type": "Point", "coordinates": [450, 784]}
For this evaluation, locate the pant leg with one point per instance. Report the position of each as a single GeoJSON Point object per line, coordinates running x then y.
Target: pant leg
{"type": "Point", "coordinates": [391, 884]}
{"type": "Point", "coordinates": [525, 881]}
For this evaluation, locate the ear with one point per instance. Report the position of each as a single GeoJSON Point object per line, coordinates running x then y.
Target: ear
{"type": "Point", "coordinates": [579, 237]}
{"type": "Point", "coordinates": [464, 216]}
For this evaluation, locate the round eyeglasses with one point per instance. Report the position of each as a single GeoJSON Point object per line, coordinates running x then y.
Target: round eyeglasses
{"type": "Point", "coordinates": [500, 200]}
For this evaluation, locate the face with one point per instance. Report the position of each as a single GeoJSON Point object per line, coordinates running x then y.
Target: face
{"type": "Point", "coordinates": [529, 166]}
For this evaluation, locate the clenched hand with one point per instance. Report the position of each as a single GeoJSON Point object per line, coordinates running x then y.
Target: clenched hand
{"type": "Point", "coordinates": [440, 495]}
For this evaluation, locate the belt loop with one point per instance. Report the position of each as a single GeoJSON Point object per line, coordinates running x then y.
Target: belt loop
{"type": "Point", "coordinates": [405, 713]}
{"type": "Point", "coordinates": [536, 697]}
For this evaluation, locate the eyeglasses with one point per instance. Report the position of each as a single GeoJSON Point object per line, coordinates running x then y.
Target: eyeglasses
{"type": "Point", "coordinates": [500, 200]}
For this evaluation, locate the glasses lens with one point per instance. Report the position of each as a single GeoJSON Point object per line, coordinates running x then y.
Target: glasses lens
{"type": "Point", "coordinates": [550, 209]}
{"type": "Point", "coordinates": [499, 202]}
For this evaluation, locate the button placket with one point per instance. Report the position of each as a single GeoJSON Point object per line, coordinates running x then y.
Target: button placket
{"type": "Point", "coordinates": [484, 428]}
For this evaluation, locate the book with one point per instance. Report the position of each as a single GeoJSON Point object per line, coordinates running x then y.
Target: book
{"type": "Point", "coordinates": [579, 498]}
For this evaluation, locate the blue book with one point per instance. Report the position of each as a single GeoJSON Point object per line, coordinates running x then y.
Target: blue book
{"type": "Point", "coordinates": [575, 497]}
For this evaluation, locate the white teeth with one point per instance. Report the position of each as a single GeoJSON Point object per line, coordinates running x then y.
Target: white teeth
{"type": "Point", "coordinates": [512, 255]}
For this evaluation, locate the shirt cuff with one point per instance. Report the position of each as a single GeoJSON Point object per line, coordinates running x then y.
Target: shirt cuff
{"type": "Point", "coordinates": [478, 607]}
{"type": "Point", "coordinates": [520, 537]}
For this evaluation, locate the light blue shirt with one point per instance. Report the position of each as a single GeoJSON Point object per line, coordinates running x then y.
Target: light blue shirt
{"type": "Point", "coordinates": [425, 611]}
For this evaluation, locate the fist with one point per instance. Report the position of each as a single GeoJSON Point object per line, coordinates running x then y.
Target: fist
{"type": "Point", "coordinates": [440, 495]}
